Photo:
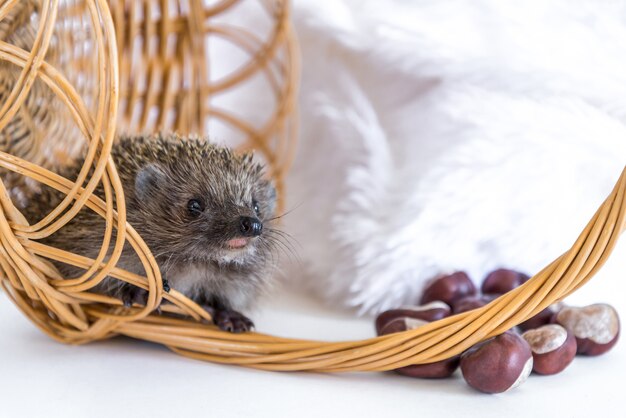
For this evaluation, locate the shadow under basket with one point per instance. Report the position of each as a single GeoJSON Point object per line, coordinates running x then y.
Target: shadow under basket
{"type": "Point", "coordinates": [89, 88]}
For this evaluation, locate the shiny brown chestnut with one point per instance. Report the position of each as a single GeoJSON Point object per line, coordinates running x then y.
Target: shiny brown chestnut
{"type": "Point", "coordinates": [542, 318]}
{"type": "Point", "coordinates": [429, 312]}
{"type": "Point", "coordinates": [468, 303]}
{"type": "Point", "coordinates": [401, 324]}
{"type": "Point", "coordinates": [497, 364]}
{"type": "Point", "coordinates": [436, 370]}
{"type": "Point", "coordinates": [553, 348]}
{"type": "Point", "coordinates": [449, 288]}
{"type": "Point", "coordinates": [596, 327]}
{"type": "Point", "coordinates": [501, 281]}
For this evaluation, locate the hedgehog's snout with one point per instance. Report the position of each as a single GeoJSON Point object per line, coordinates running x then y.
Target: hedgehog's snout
{"type": "Point", "coordinates": [249, 226]}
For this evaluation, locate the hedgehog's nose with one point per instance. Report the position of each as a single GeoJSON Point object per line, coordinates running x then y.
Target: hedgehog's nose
{"type": "Point", "coordinates": [250, 227]}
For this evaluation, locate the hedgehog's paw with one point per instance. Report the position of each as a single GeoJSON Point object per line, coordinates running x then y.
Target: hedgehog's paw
{"type": "Point", "coordinates": [131, 295]}
{"type": "Point", "coordinates": [232, 321]}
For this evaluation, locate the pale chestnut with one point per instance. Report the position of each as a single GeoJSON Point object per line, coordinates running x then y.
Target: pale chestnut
{"type": "Point", "coordinates": [553, 348]}
{"type": "Point", "coordinates": [596, 327]}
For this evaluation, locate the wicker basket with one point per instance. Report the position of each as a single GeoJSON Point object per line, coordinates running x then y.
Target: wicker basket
{"type": "Point", "coordinates": [107, 63]}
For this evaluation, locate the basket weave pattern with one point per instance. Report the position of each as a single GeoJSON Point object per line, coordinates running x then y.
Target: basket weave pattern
{"type": "Point", "coordinates": [105, 76]}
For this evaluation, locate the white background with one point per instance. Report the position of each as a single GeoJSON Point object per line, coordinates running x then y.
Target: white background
{"type": "Point", "coordinates": [123, 377]}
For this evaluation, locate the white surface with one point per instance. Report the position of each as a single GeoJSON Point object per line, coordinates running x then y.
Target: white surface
{"type": "Point", "coordinates": [123, 377]}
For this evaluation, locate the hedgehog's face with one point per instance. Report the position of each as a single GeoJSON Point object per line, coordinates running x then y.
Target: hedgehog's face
{"type": "Point", "coordinates": [218, 212]}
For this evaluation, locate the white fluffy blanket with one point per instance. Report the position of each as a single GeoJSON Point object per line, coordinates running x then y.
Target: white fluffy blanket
{"type": "Point", "coordinates": [450, 135]}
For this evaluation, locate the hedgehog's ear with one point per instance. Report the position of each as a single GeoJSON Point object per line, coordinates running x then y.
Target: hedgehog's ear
{"type": "Point", "coordinates": [148, 180]}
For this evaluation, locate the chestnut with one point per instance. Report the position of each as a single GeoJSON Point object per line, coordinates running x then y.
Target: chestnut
{"type": "Point", "coordinates": [436, 370]}
{"type": "Point", "coordinates": [430, 312]}
{"type": "Point", "coordinates": [501, 281]}
{"type": "Point", "coordinates": [468, 303]}
{"type": "Point", "coordinates": [596, 327]}
{"type": "Point", "coordinates": [401, 324]}
{"type": "Point", "coordinates": [498, 364]}
{"type": "Point", "coordinates": [542, 318]}
{"type": "Point", "coordinates": [553, 348]}
{"type": "Point", "coordinates": [449, 288]}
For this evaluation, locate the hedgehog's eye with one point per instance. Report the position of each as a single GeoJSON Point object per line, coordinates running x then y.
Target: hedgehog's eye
{"type": "Point", "coordinates": [195, 207]}
{"type": "Point", "coordinates": [255, 206]}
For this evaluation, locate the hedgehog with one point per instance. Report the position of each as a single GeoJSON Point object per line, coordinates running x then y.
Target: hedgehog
{"type": "Point", "coordinates": [204, 211]}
